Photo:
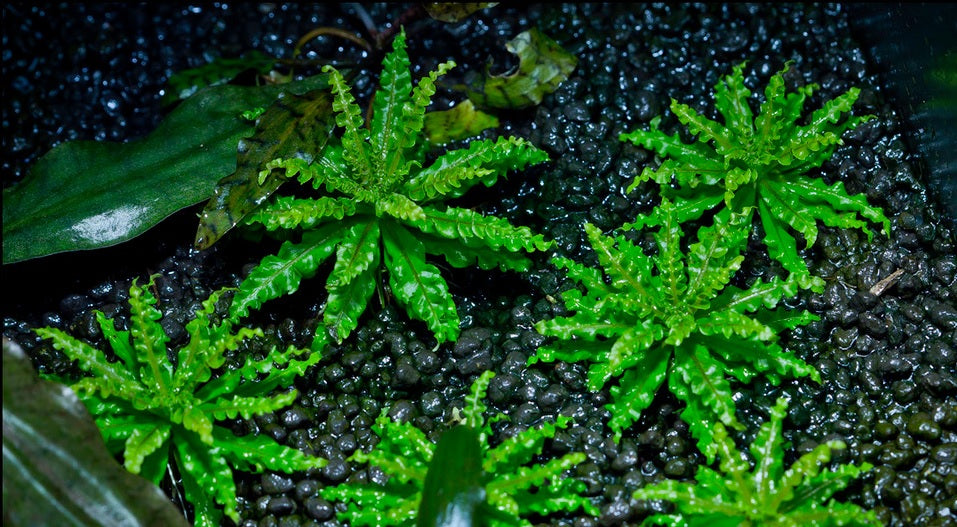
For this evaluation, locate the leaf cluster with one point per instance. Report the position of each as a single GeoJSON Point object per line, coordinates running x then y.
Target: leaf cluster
{"type": "Point", "coordinates": [673, 316]}
{"type": "Point", "coordinates": [760, 491]}
{"type": "Point", "coordinates": [150, 409]}
{"type": "Point", "coordinates": [761, 163]}
{"type": "Point", "coordinates": [380, 208]}
{"type": "Point", "coordinates": [512, 487]}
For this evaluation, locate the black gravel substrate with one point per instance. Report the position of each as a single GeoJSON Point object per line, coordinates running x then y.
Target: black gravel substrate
{"type": "Point", "coordinates": [888, 361]}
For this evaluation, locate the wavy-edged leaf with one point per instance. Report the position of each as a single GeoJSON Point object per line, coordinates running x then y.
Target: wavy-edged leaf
{"type": "Point", "coordinates": [347, 302]}
{"type": "Point", "coordinates": [349, 118]}
{"type": "Point", "coordinates": [716, 256]}
{"type": "Point", "coordinates": [492, 231]}
{"type": "Point", "coordinates": [212, 477]}
{"type": "Point", "coordinates": [698, 379]}
{"type": "Point", "coordinates": [475, 400]}
{"type": "Point", "coordinates": [258, 453]}
{"type": "Point", "coordinates": [119, 340]}
{"type": "Point", "coordinates": [706, 129]}
{"type": "Point", "coordinates": [731, 100]}
{"type": "Point", "coordinates": [522, 447]}
{"type": "Point", "coordinates": [280, 274]}
{"type": "Point", "coordinates": [628, 350]}
{"type": "Point", "coordinates": [532, 476]}
{"type": "Point", "coordinates": [763, 494]}
{"type": "Point", "coordinates": [454, 172]}
{"type": "Point", "coordinates": [400, 207]}
{"type": "Point", "coordinates": [417, 284]}
{"type": "Point", "coordinates": [461, 253]}
{"type": "Point", "coordinates": [626, 265]}
{"type": "Point", "coordinates": [288, 212]}
{"type": "Point", "coordinates": [781, 245]}
{"type": "Point", "coordinates": [247, 407]}
{"type": "Point", "coordinates": [395, 92]}
{"type": "Point", "coordinates": [542, 66]}
{"type": "Point", "coordinates": [141, 443]}
{"type": "Point", "coordinates": [837, 197]}
{"type": "Point", "coordinates": [149, 339]}
{"type": "Point", "coordinates": [637, 389]}
{"type": "Point", "coordinates": [413, 121]}
{"type": "Point", "coordinates": [115, 380]}
{"type": "Point", "coordinates": [767, 358]}
{"type": "Point", "coordinates": [768, 453]}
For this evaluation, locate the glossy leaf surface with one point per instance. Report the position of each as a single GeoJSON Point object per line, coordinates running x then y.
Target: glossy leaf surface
{"type": "Point", "coordinates": [87, 194]}
{"type": "Point", "coordinates": [56, 469]}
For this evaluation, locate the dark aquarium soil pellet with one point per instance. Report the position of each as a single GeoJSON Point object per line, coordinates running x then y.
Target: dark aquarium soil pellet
{"type": "Point", "coordinates": [886, 347]}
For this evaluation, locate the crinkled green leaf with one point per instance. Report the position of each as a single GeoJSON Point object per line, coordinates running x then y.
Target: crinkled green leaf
{"type": "Point", "coordinates": [542, 66]}
{"type": "Point", "coordinates": [280, 274]}
{"type": "Point", "coordinates": [466, 224]}
{"type": "Point", "coordinates": [352, 279]}
{"type": "Point", "coordinates": [88, 195]}
{"type": "Point", "coordinates": [417, 284]}
{"type": "Point", "coordinates": [292, 126]}
{"type": "Point", "coordinates": [638, 309]}
{"type": "Point", "coordinates": [456, 171]}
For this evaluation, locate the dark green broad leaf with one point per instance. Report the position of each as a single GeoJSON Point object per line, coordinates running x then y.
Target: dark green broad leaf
{"type": "Point", "coordinates": [56, 469]}
{"type": "Point", "coordinates": [454, 11]}
{"type": "Point", "coordinates": [220, 71]}
{"type": "Point", "coordinates": [88, 195]}
{"type": "Point", "coordinates": [461, 121]}
{"type": "Point", "coordinates": [293, 126]}
{"type": "Point", "coordinates": [543, 65]}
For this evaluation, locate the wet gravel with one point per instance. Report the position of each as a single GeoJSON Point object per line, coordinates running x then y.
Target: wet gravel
{"type": "Point", "coordinates": [888, 358]}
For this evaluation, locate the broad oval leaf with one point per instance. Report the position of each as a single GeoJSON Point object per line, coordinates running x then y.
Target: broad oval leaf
{"type": "Point", "coordinates": [88, 195]}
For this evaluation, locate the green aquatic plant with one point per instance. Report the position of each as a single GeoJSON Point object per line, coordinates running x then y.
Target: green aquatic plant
{"type": "Point", "coordinates": [381, 208]}
{"type": "Point", "coordinates": [150, 409]}
{"type": "Point", "coordinates": [462, 474]}
{"type": "Point", "coordinates": [761, 163]}
{"type": "Point", "coordinates": [764, 494]}
{"type": "Point", "coordinates": [673, 315]}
